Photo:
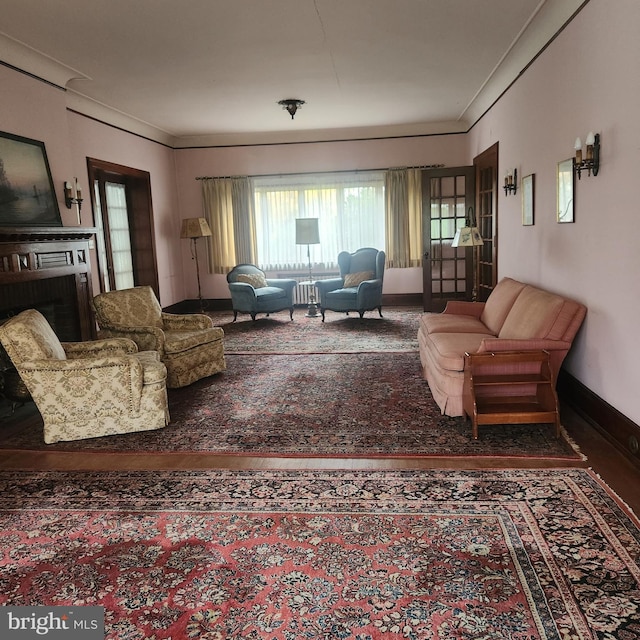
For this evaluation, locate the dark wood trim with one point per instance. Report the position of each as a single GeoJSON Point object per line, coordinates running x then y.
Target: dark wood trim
{"type": "Point", "coordinates": [224, 304]}
{"type": "Point", "coordinates": [616, 428]}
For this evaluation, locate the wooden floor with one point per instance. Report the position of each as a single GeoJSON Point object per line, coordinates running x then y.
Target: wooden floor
{"type": "Point", "coordinates": [620, 473]}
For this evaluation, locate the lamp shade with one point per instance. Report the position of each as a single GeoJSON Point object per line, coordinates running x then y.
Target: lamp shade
{"type": "Point", "coordinates": [195, 228]}
{"type": "Point", "coordinates": [307, 231]}
{"type": "Point", "coordinates": [467, 237]}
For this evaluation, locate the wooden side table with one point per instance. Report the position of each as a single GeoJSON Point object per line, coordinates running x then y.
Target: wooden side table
{"type": "Point", "coordinates": [510, 387]}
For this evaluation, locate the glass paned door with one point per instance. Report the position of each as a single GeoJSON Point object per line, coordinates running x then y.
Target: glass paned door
{"type": "Point", "coordinates": [114, 239]}
{"type": "Point", "coordinates": [447, 272]}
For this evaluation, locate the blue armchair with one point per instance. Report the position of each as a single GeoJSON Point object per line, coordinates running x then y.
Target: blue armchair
{"type": "Point", "coordinates": [253, 293]}
{"type": "Point", "coordinates": [359, 287]}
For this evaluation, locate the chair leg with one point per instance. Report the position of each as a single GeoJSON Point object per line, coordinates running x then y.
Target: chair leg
{"type": "Point", "coordinates": [380, 310]}
{"type": "Point", "coordinates": [253, 317]}
{"type": "Point", "coordinates": [291, 313]}
{"type": "Point", "coordinates": [361, 314]}
{"type": "Point", "coordinates": [322, 312]}
{"type": "Point", "coordinates": [235, 315]}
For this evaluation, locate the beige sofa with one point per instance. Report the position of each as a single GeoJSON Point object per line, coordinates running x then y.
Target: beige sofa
{"type": "Point", "coordinates": [515, 317]}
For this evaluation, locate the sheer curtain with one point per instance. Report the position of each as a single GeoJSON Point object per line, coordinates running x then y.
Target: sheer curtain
{"type": "Point", "coordinates": [403, 217]}
{"type": "Point", "coordinates": [228, 207]}
{"type": "Point", "coordinates": [349, 207]}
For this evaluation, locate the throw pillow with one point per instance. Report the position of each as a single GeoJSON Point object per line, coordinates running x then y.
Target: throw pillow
{"type": "Point", "coordinates": [256, 280]}
{"type": "Point", "coordinates": [354, 279]}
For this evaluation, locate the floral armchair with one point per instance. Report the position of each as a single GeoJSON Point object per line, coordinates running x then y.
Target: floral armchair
{"type": "Point", "coordinates": [359, 287]}
{"type": "Point", "coordinates": [188, 344]}
{"type": "Point", "coordinates": [86, 389]}
{"type": "Point", "coordinates": [253, 293]}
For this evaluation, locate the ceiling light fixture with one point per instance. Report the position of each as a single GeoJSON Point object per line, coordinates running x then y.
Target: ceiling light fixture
{"type": "Point", "coordinates": [291, 105]}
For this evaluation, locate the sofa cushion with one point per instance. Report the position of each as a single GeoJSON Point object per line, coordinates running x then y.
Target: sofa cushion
{"type": "Point", "coordinates": [451, 323]}
{"type": "Point", "coordinates": [448, 349]}
{"type": "Point", "coordinates": [499, 303]}
{"type": "Point", "coordinates": [354, 279]}
{"type": "Point", "coordinates": [179, 341]}
{"type": "Point", "coordinates": [270, 293]}
{"type": "Point", "coordinates": [533, 314]}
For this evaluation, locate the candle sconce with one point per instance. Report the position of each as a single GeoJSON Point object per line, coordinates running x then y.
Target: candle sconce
{"type": "Point", "coordinates": [72, 194]}
{"type": "Point", "coordinates": [591, 161]}
{"type": "Point", "coordinates": [511, 182]}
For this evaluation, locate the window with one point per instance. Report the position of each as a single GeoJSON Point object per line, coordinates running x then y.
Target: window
{"type": "Point", "coordinates": [349, 207]}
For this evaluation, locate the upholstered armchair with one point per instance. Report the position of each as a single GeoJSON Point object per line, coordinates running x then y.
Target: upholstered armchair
{"type": "Point", "coordinates": [188, 344]}
{"type": "Point", "coordinates": [359, 287]}
{"type": "Point", "coordinates": [86, 389]}
{"type": "Point", "coordinates": [253, 293]}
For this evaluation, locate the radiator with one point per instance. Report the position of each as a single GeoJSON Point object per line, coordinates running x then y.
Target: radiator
{"type": "Point", "coordinates": [301, 294]}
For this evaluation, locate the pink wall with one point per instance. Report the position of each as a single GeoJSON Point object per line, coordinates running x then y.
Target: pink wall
{"type": "Point", "coordinates": [450, 150]}
{"type": "Point", "coordinates": [584, 81]}
{"type": "Point", "coordinates": [91, 139]}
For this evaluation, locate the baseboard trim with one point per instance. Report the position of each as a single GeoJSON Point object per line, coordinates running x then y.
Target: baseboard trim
{"type": "Point", "coordinates": [224, 304]}
{"type": "Point", "coordinates": [616, 428]}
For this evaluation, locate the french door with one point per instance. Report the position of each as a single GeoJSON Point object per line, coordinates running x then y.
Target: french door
{"type": "Point", "coordinates": [121, 199]}
{"type": "Point", "coordinates": [447, 196]}
{"type": "Point", "coordinates": [486, 174]}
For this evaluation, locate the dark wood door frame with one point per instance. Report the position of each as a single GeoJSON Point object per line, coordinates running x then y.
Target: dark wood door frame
{"type": "Point", "coordinates": [139, 206]}
{"type": "Point", "coordinates": [486, 171]}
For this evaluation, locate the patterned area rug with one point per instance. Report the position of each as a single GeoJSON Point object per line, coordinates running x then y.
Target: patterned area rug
{"type": "Point", "coordinates": [519, 554]}
{"type": "Point", "coordinates": [397, 330]}
{"type": "Point", "coordinates": [338, 405]}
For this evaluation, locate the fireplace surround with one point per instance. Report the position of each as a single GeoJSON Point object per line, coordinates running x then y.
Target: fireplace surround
{"type": "Point", "coordinates": [49, 269]}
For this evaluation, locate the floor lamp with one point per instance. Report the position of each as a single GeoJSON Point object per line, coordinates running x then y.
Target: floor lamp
{"type": "Point", "coordinates": [195, 228]}
{"type": "Point", "coordinates": [307, 233]}
{"type": "Point", "coordinates": [469, 236]}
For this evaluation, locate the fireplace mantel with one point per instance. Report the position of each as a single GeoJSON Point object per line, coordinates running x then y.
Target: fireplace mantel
{"type": "Point", "coordinates": [29, 255]}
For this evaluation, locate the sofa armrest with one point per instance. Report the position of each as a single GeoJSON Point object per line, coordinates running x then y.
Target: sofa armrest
{"type": "Point", "coordinates": [85, 386]}
{"type": "Point", "coordinates": [288, 284]}
{"type": "Point", "coordinates": [512, 344]}
{"type": "Point", "coordinates": [329, 284]}
{"type": "Point", "coordinates": [186, 321]}
{"type": "Point", "coordinates": [464, 308]}
{"type": "Point", "coordinates": [100, 348]}
{"type": "Point", "coordinates": [147, 338]}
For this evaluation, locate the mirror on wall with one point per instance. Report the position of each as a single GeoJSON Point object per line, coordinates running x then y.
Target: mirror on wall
{"type": "Point", "coordinates": [565, 205]}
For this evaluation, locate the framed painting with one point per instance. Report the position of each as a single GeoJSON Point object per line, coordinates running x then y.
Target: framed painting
{"type": "Point", "coordinates": [565, 191]}
{"type": "Point", "coordinates": [27, 197]}
{"type": "Point", "coordinates": [528, 201]}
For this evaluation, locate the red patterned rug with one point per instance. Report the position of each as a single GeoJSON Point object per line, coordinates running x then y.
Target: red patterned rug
{"type": "Point", "coordinates": [283, 555]}
{"type": "Point", "coordinates": [397, 330]}
{"type": "Point", "coordinates": [338, 405]}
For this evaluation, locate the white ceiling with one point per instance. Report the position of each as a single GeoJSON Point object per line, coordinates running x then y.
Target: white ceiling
{"type": "Point", "coordinates": [193, 72]}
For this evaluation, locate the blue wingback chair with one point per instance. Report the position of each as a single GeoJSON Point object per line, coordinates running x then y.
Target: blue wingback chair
{"type": "Point", "coordinates": [359, 287]}
{"type": "Point", "coordinates": [253, 293]}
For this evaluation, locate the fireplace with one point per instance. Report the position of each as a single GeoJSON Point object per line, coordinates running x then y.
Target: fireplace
{"type": "Point", "coordinates": [48, 269]}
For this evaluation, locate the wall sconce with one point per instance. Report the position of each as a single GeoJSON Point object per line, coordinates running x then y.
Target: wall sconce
{"type": "Point", "coordinates": [591, 160]}
{"type": "Point", "coordinates": [72, 194]}
{"type": "Point", "coordinates": [511, 182]}
{"type": "Point", "coordinates": [291, 105]}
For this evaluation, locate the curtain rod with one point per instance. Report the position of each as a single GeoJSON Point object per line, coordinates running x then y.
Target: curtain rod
{"type": "Point", "coordinates": [305, 173]}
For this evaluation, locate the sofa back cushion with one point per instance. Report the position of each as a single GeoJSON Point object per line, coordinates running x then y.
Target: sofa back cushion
{"type": "Point", "coordinates": [499, 303]}
{"type": "Point", "coordinates": [533, 314]}
{"type": "Point", "coordinates": [135, 307]}
{"type": "Point", "coordinates": [28, 337]}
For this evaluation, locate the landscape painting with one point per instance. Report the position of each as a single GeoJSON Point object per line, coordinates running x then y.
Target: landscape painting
{"type": "Point", "coordinates": [27, 197]}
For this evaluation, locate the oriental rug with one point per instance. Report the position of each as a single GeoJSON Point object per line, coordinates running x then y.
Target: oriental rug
{"type": "Point", "coordinates": [314, 405]}
{"type": "Point", "coordinates": [397, 330]}
{"type": "Point", "coordinates": [289, 555]}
